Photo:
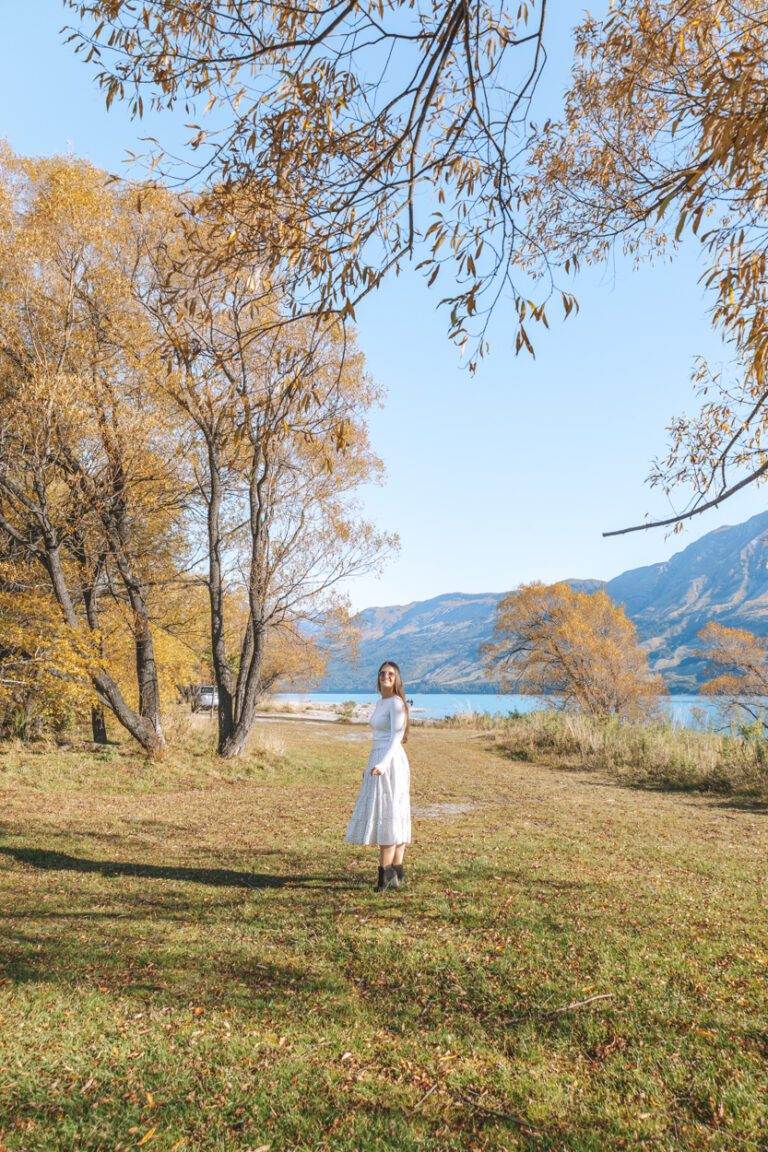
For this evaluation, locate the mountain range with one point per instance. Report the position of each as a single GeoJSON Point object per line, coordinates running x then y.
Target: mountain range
{"type": "Point", "coordinates": [723, 576]}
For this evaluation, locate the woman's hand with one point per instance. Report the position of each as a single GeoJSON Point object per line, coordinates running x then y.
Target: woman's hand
{"type": "Point", "coordinates": [377, 770]}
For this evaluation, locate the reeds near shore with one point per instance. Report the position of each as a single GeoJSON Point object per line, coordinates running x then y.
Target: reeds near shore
{"type": "Point", "coordinates": [651, 754]}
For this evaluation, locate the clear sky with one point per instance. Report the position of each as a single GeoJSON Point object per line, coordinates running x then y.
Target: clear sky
{"type": "Point", "coordinates": [496, 479]}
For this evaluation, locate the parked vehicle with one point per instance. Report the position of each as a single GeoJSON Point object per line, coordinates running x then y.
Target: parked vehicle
{"type": "Point", "coordinates": [205, 697]}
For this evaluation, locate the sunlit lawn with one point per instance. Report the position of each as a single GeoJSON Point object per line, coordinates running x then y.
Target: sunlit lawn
{"type": "Point", "coordinates": [193, 959]}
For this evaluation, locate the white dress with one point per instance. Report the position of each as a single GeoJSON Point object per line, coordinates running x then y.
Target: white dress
{"type": "Point", "coordinates": [382, 813]}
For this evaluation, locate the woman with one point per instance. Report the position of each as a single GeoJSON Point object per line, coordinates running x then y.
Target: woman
{"type": "Point", "coordinates": [382, 814]}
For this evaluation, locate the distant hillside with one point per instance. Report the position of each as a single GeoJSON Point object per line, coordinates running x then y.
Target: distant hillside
{"type": "Point", "coordinates": [436, 642]}
{"type": "Point", "coordinates": [723, 576]}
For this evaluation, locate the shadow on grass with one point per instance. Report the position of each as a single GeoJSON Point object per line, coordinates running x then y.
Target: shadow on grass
{"type": "Point", "coordinates": [217, 877]}
{"type": "Point", "coordinates": [117, 965]}
{"type": "Point", "coordinates": [712, 797]}
{"type": "Point", "coordinates": [756, 804]}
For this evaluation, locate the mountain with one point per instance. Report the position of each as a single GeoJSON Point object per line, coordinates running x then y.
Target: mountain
{"type": "Point", "coordinates": [723, 576]}
{"type": "Point", "coordinates": [436, 643]}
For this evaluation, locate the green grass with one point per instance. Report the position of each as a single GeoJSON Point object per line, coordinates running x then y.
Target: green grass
{"type": "Point", "coordinates": [193, 959]}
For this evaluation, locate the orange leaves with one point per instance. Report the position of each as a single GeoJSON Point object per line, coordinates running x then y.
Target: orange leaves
{"type": "Point", "coordinates": [576, 644]}
{"type": "Point", "coordinates": [743, 658]}
{"type": "Point", "coordinates": [43, 663]}
{"type": "Point", "coordinates": [521, 340]}
{"type": "Point", "coordinates": [93, 489]}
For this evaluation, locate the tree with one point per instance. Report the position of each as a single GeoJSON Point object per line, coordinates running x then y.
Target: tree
{"type": "Point", "coordinates": [745, 656]}
{"type": "Point", "coordinates": [90, 484]}
{"type": "Point", "coordinates": [47, 667]}
{"type": "Point", "coordinates": [349, 137]}
{"type": "Point", "coordinates": [665, 134]}
{"type": "Point", "coordinates": [139, 389]}
{"type": "Point", "coordinates": [273, 420]}
{"type": "Point", "coordinates": [578, 646]}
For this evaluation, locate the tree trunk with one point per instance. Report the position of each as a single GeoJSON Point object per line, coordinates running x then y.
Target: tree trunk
{"type": "Point", "coordinates": [146, 674]}
{"type": "Point", "coordinates": [252, 691]}
{"type": "Point", "coordinates": [246, 655]}
{"type": "Point", "coordinates": [142, 730]}
{"type": "Point", "coordinates": [114, 519]}
{"type": "Point", "coordinates": [221, 670]}
{"type": "Point", "coordinates": [234, 743]}
{"type": "Point", "coordinates": [146, 665]}
{"type": "Point", "coordinates": [249, 685]}
{"type": "Point", "coordinates": [98, 725]}
{"type": "Point", "coordinates": [90, 600]}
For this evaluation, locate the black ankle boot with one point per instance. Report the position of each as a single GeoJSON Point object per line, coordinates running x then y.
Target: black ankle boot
{"type": "Point", "coordinates": [400, 873]}
{"type": "Point", "coordinates": [387, 879]}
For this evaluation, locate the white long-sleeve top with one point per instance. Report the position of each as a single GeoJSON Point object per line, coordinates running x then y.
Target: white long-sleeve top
{"type": "Point", "coordinates": [389, 723]}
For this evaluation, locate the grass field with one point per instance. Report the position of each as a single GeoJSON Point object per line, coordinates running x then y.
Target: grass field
{"type": "Point", "coordinates": [193, 959]}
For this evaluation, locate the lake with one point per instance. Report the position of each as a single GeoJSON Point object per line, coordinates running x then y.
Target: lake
{"type": "Point", "coordinates": [686, 711]}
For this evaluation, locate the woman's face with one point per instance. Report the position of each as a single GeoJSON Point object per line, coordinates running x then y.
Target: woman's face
{"type": "Point", "coordinates": [387, 680]}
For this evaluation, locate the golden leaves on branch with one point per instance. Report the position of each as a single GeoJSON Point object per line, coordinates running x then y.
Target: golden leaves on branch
{"type": "Point", "coordinates": [354, 121]}
{"type": "Point", "coordinates": [166, 427]}
{"type": "Point", "coordinates": [579, 646]}
{"type": "Point", "coordinates": [665, 136]}
{"type": "Point", "coordinates": [92, 486]}
{"type": "Point", "coordinates": [742, 655]}
{"type": "Point", "coordinates": [43, 662]}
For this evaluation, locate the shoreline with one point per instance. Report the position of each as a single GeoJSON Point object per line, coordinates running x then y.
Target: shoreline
{"type": "Point", "coordinates": [311, 712]}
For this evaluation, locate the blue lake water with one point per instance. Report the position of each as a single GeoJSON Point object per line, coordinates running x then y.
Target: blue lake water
{"type": "Point", "coordinates": [687, 711]}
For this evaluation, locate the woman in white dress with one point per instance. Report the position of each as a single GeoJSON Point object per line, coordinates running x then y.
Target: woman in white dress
{"type": "Point", "coordinates": [382, 813]}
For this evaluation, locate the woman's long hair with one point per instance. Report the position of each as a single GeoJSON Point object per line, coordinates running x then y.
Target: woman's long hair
{"type": "Point", "coordinates": [399, 690]}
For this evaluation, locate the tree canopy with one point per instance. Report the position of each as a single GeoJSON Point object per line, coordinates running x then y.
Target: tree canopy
{"type": "Point", "coordinates": [579, 646]}
{"type": "Point", "coordinates": [664, 136]}
{"type": "Point", "coordinates": [371, 134]}
{"type": "Point", "coordinates": [741, 660]}
{"type": "Point", "coordinates": [346, 138]}
{"type": "Point", "coordinates": [158, 442]}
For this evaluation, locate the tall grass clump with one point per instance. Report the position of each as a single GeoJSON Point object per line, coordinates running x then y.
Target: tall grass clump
{"type": "Point", "coordinates": [652, 753]}
{"type": "Point", "coordinates": [345, 711]}
{"type": "Point", "coordinates": [477, 721]}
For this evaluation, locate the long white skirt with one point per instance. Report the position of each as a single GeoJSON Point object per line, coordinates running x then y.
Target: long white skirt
{"type": "Point", "coordinates": [382, 813]}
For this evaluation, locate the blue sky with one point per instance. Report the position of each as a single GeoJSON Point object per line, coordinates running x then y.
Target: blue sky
{"type": "Point", "coordinates": [507, 476]}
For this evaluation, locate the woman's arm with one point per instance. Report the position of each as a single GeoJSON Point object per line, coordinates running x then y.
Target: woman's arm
{"type": "Point", "coordinates": [397, 720]}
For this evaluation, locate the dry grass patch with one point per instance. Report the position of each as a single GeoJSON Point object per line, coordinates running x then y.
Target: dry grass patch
{"type": "Point", "coordinates": [654, 754]}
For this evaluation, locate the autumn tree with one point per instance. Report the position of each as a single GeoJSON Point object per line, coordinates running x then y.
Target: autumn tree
{"type": "Point", "coordinates": [47, 666]}
{"type": "Point", "coordinates": [273, 418]}
{"type": "Point", "coordinates": [140, 387]}
{"type": "Point", "coordinates": [578, 646]}
{"type": "Point", "coordinates": [44, 682]}
{"type": "Point", "coordinates": [664, 136]}
{"type": "Point", "coordinates": [348, 138]}
{"type": "Point", "coordinates": [91, 490]}
{"type": "Point", "coordinates": [742, 659]}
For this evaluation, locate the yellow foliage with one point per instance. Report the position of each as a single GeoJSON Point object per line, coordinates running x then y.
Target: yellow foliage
{"type": "Point", "coordinates": [742, 655]}
{"type": "Point", "coordinates": [577, 645]}
{"type": "Point", "coordinates": [43, 663]}
{"type": "Point", "coordinates": [394, 131]}
{"type": "Point", "coordinates": [665, 134]}
{"type": "Point", "coordinates": [157, 411]}
{"type": "Point", "coordinates": [180, 645]}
